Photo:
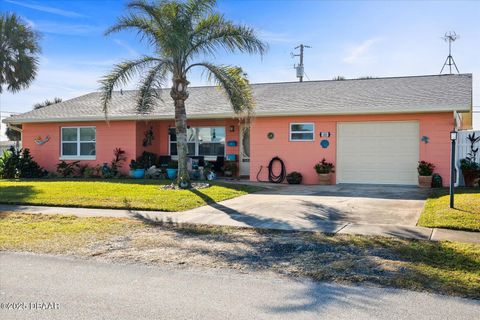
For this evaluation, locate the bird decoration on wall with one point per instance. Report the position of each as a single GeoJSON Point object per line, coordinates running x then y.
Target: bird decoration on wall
{"type": "Point", "coordinates": [38, 140]}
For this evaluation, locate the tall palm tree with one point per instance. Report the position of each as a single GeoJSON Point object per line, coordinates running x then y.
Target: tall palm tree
{"type": "Point", "coordinates": [19, 51]}
{"type": "Point", "coordinates": [183, 34]}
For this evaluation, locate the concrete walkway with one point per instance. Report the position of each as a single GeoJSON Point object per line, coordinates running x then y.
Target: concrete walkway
{"type": "Point", "coordinates": [220, 214]}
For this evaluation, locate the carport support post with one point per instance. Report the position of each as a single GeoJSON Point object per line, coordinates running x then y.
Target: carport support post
{"type": "Point", "coordinates": [453, 137]}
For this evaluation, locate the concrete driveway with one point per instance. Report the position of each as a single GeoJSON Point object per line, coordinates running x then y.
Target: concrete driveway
{"type": "Point", "coordinates": [322, 208]}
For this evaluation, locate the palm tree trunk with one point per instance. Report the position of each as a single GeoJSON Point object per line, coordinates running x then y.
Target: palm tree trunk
{"type": "Point", "coordinates": [179, 94]}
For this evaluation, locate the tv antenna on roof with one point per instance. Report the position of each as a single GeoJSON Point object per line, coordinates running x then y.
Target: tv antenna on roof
{"type": "Point", "coordinates": [299, 67]}
{"type": "Point", "coordinates": [450, 37]}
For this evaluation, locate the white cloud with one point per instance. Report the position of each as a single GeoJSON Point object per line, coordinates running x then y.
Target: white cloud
{"type": "Point", "coordinates": [60, 12]}
{"type": "Point", "coordinates": [132, 52]}
{"type": "Point", "coordinates": [359, 51]}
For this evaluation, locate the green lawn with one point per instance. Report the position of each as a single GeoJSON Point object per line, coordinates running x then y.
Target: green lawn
{"type": "Point", "coordinates": [465, 215]}
{"type": "Point", "coordinates": [441, 267]}
{"type": "Point", "coordinates": [128, 193]}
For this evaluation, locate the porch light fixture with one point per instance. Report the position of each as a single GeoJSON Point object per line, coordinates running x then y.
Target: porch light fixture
{"type": "Point", "coordinates": [232, 128]}
{"type": "Point", "coordinates": [453, 135]}
{"type": "Point", "coordinates": [453, 138]}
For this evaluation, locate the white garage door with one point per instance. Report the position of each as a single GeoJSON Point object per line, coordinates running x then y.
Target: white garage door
{"type": "Point", "coordinates": [377, 152]}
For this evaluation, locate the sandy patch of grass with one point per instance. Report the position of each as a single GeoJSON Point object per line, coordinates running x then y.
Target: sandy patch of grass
{"type": "Point", "coordinates": [441, 267]}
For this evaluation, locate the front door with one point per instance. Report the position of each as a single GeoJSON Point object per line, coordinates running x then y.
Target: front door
{"type": "Point", "coordinates": [244, 156]}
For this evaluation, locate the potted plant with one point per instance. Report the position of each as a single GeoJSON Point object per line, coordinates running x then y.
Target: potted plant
{"type": "Point", "coordinates": [294, 177]}
{"type": "Point", "coordinates": [470, 171]}
{"type": "Point", "coordinates": [324, 170]}
{"type": "Point", "coordinates": [172, 169]}
{"type": "Point", "coordinates": [230, 169]}
{"type": "Point", "coordinates": [425, 171]}
{"type": "Point", "coordinates": [136, 170]}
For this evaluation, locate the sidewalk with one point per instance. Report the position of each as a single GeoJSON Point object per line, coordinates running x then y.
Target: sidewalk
{"type": "Point", "coordinates": [234, 219]}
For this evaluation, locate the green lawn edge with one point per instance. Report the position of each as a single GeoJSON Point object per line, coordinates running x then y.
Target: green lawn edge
{"type": "Point", "coordinates": [129, 194]}
{"type": "Point", "coordinates": [465, 216]}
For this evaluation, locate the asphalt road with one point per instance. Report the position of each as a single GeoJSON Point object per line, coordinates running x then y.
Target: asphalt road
{"type": "Point", "coordinates": [87, 289]}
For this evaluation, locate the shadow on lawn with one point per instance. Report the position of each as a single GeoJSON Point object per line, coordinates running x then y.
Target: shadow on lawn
{"type": "Point", "coordinates": [16, 194]}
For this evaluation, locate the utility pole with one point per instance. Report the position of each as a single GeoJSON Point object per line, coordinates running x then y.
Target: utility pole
{"type": "Point", "coordinates": [299, 67]}
{"type": "Point", "coordinates": [450, 37]}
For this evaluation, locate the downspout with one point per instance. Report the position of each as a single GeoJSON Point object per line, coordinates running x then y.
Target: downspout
{"type": "Point", "coordinates": [456, 125]}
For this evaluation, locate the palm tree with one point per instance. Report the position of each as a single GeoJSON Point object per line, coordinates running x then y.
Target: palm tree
{"type": "Point", "coordinates": [46, 103]}
{"type": "Point", "coordinates": [182, 35]}
{"type": "Point", "coordinates": [19, 51]}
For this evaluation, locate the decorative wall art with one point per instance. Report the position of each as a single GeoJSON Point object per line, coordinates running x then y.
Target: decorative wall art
{"type": "Point", "coordinates": [147, 140]}
{"type": "Point", "coordinates": [38, 140]}
{"type": "Point", "coordinates": [270, 135]}
{"type": "Point", "coordinates": [324, 143]}
{"type": "Point", "coordinates": [425, 139]}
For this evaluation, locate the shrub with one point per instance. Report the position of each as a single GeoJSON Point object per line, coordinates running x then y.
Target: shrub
{"type": "Point", "coordinates": [294, 177]}
{"type": "Point", "coordinates": [67, 169]}
{"type": "Point", "coordinates": [425, 168]}
{"type": "Point", "coordinates": [118, 159]}
{"type": "Point", "coordinates": [19, 164]}
{"type": "Point", "coordinates": [324, 167]}
{"type": "Point", "coordinates": [468, 164]}
{"type": "Point", "coordinates": [147, 160]}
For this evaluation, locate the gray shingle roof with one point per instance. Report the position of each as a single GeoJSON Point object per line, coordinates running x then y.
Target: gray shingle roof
{"type": "Point", "coordinates": [378, 95]}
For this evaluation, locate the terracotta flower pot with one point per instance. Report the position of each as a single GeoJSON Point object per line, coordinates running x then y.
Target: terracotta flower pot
{"type": "Point", "coordinates": [425, 181]}
{"type": "Point", "coordinates": [324, 178]}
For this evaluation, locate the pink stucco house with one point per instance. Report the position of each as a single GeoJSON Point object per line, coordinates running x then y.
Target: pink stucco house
{"type": "Point", "coordinates": [373, 130]}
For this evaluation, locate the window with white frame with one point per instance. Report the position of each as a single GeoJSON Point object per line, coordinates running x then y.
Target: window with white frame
{"type": "Point", "coordinates": [302, 131]}
{"type": "Point", "coordinates": [78, 143]}
{"type": "Point", "coordinates": [201, 141]}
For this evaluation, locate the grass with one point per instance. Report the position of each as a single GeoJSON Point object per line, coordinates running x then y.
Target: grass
{"type": "Point", "coordinates": [441, 267]}
{"type": "Point", "coordinates": [465, 216]}
{"type": "Point", "coordinates": [130, 194]}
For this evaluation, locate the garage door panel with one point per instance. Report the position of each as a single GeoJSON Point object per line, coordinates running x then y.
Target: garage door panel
{"type": "Point", "coordinates": [377, 152]}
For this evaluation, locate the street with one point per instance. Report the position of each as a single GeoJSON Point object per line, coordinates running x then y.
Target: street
{"type": "Point", "coordinates": [87, 289]}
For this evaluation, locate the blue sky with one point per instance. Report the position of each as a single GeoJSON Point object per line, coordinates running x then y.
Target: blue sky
{"type": "Point", "coordinates": [351, 39]}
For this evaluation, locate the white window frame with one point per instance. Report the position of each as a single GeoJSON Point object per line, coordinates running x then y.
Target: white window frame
{"type": "Point", "coordinates": [78, 156]}
{"type": "Point", "coordinates": [301, 123]}
{"type": "Point", "coordinates": [208, 158]}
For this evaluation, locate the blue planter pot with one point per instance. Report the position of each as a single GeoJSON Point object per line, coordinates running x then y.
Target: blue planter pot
{"type": "Point", "coordinates": [172, 173]}
{"type": "Point", "coordinates": [137, 173]}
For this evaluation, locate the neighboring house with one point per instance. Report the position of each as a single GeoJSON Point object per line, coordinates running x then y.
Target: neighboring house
{"type": "Point", "coordinates": [374, 130]}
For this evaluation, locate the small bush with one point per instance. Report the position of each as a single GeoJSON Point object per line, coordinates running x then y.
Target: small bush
{"type": "Point", "coordinates": [147, 160]}
{"type": "Point", "coordinates": [67, 169]}
{"type": "Point", "coordinates": [117, 161]}
{"type": "Point", "coordinates": [425, 168]}
{"type": "Point", "coordinates": [19, 164]}
{"type": "Point", "coordinates": [324, 167]}
{"type": "Point", "coordinates": [294, 177]}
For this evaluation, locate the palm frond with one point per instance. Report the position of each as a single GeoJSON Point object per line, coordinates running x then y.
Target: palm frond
{"type": "Point", "coordinates": [145, 27]}
{"type": "Point", "coordinates": [197, 8]}
{"type": "Point", "coordinates": [19, 50]}
{"type": "Point", "coordinates": [235, 84]}
{"type": "Point", "coordinates": [214, 32]}
{"type": "Point", "coordinates": [121, 74]}
{"type": "Point", "coordinates": [150, 88]}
